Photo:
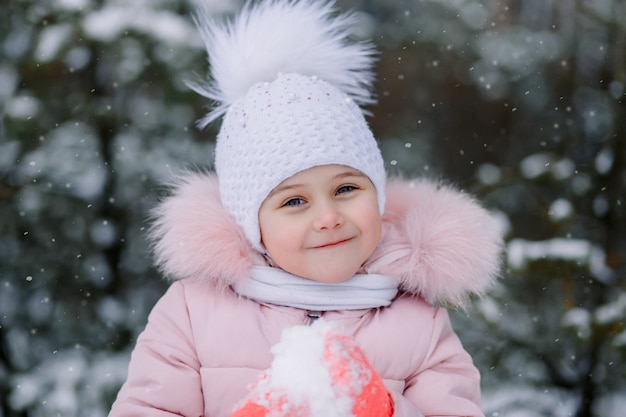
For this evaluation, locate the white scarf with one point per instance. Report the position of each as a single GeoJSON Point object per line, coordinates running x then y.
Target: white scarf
{"type": "Point", "coordinates": [276, 286]}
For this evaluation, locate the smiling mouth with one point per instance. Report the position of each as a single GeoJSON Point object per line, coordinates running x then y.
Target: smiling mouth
{"type": "Point", "coordinates": [332, 244]}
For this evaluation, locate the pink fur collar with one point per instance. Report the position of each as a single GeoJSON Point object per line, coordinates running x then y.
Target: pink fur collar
{"type": "Point", "coordinates": [439, 243]}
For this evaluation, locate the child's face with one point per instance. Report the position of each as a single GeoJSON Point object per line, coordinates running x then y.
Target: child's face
{"type": "Point", "coordinates": [321, 223]}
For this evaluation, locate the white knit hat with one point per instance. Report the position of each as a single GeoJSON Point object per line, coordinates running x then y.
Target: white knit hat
{"type": "Point", "coordinates": [290, 85]}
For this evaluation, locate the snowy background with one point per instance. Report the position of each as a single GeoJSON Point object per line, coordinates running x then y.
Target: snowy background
{"type": "Point", "coordinates": [520, 102]}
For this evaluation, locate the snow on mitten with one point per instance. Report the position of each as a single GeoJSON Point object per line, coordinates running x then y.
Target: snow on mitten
{"type": "Point", "coordinates": [317, 372]}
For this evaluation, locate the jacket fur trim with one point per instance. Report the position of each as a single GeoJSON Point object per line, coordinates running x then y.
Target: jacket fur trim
{"type": "Point", "coordinates": [438, 242]}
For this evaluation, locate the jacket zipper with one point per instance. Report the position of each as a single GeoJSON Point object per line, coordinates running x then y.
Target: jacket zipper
{"type": "Point", "coordinates": [313, 315]}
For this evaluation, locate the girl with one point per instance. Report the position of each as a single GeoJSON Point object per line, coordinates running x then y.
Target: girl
{"type": "Point", "coordinates": [298, 223]}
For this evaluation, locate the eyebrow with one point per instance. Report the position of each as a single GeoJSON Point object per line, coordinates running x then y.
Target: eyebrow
{"type": "Point", "coordinates": [350, 173]}
{"type": "Point", "coordinates": [345, 174]}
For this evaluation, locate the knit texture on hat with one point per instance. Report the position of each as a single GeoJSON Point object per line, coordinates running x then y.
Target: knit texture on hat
{"type": "Point", "coordinates": [290, 85]}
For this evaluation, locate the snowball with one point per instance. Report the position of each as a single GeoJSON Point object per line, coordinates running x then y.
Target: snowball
{"type": "Point", "coordinates": [299, 370]}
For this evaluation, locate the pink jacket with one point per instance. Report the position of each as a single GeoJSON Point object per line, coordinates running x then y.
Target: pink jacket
{"type": "Point", "coordinates": [203, 344]}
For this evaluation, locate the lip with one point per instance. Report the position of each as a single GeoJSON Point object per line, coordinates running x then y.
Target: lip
{"type": "Point", "coordinates": [332, 244]}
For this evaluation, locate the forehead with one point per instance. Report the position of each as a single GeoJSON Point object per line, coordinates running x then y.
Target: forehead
{"type": "Point", "coordinates": [323, 173]}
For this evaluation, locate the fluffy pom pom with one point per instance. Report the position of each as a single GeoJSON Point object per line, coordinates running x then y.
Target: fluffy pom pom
{"type": "Point", "coordinates": [282, 36]}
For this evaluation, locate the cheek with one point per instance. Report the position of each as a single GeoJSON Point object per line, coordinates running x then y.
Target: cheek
{"type": "Point", "coordinates": [279, 240]}
{"type": "Point", "coordinates": [371, 222]}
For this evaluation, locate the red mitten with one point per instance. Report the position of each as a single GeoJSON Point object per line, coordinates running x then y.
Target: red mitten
{"type": "Point", "coordinates": [317, 372]}
{"type": "Point", "coordinates": [353, 376]}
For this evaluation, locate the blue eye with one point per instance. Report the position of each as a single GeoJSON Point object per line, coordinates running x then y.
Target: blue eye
{"type": "Point", "coordinates": [294, 202]}
{"type": "Point", "coordinates": [345, 189]}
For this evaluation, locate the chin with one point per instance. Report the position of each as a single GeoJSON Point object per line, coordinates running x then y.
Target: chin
{"type": "Point", "coordinates": [332, 278]}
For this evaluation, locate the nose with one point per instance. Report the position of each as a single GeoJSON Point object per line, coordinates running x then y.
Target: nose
{"type": "Point", "coordinates": [327, 216]}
